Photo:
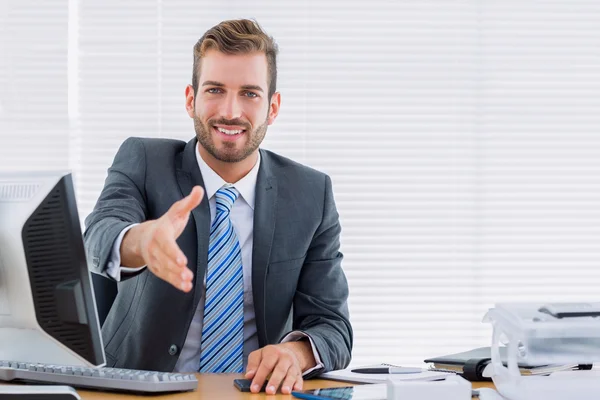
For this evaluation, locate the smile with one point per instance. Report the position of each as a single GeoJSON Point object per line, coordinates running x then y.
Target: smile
{"type": "Point", "coordinates": [229, 134]}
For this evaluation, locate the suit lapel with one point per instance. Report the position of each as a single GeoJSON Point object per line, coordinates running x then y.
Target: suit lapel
{"type": "Point", "coordinates": [265, 208]}
{"type": "Point", "coordinates": [188, 175]}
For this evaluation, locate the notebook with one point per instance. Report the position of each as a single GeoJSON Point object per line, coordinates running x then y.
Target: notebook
{"type": "Point", "coordinates": [346, 375]}
{"type": "Point", "coordinates": [475, 365]}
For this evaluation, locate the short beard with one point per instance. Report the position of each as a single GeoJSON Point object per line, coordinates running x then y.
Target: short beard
{"type": "Point", "coordinates": [204, 135]}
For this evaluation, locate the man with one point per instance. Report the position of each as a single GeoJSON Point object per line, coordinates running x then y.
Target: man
{"type": "Point", "coordinates": [248, 276]}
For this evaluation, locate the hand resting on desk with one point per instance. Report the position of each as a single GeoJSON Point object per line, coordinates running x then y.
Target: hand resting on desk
{"type": "Point", "coordinates": [285, 362]}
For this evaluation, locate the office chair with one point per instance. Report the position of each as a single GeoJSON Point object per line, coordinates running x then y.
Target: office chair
{"type": "Point", "coordinates": [105, 291]}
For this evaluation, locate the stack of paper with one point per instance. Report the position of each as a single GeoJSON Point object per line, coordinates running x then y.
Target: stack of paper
{"type": "Point", "coordinates": [482, 356]}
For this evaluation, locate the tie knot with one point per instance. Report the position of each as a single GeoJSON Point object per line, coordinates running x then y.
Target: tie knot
{"type": "Point", "coordinates": [226, 196]}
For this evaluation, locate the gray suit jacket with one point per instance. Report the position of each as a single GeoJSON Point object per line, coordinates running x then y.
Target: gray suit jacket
{"type": "Point", "coordinates": [297, 280]}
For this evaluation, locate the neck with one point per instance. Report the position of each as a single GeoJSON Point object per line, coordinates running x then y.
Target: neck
{"type": "Point", "coordinates": [230, 172]}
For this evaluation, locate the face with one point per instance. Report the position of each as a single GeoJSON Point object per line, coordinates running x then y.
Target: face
{"type": "Point", "coordinates": [231, 108]}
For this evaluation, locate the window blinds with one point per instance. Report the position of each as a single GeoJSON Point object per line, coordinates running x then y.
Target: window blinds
{"type": "Point", "coordinates": [461, 137]}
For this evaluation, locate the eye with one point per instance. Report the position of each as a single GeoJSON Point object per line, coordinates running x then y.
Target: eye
{"type": "Point", "coordinates": [252, 95]}
{"type": "Point", "coordinates": [213, 90]}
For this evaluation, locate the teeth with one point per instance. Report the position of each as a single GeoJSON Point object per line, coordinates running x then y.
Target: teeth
{"type": "Point", "coordinates": [228, 132]}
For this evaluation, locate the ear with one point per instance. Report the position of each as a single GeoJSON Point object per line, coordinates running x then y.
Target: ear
{"type": "Point", "coordinates": [274, 107]}
{"type": "Point", "coordinates": [189, 100]}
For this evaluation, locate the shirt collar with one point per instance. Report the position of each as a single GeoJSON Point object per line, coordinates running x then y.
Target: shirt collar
{"type": "Point", "coordinates": [213, 182]}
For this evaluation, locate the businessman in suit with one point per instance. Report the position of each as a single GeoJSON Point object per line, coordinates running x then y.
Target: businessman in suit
{"type": "Point", "coordinates": [226, 255]}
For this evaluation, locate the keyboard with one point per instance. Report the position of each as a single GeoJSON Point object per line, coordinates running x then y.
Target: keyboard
{"type": "Point", "coordinates": [105, 379]}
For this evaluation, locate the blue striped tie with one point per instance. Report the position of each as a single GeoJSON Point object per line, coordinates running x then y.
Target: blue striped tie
{"type": "Point", "coordinates": [222, 344]}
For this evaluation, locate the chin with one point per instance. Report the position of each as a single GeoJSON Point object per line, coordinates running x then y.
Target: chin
{"type": "Point", "coordinates": [230, 157]}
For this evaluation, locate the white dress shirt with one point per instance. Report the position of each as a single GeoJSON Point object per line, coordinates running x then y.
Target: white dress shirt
{"type": "Point", "coordinates": [242, 219]}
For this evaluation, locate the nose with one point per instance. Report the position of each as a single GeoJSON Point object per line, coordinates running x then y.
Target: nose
{"type": "Point", "coordinates": [231, 109]}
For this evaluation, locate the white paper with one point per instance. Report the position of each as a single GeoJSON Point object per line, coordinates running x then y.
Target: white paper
{"type": "Point", "coordinates": [346, 375]}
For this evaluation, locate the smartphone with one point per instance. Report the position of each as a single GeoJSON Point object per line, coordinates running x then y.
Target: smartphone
{"type": "Point", "coordinates": [243, 385]}
{"type": "Point", "coordinates": [361, 392]}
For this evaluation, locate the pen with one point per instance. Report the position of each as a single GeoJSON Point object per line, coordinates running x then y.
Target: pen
{"type": "Point", "coordinates": [387, 370]}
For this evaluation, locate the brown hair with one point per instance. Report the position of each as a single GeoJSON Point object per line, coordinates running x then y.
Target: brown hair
{"type": "Point", "coordinates": [239, 36]}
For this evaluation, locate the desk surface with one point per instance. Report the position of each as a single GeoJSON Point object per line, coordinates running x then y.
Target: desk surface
{"type": "Point", "coordinates": [221, 387]}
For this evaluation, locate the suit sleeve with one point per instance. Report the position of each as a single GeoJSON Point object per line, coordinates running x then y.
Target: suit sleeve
{"type": "Point", "coordinates": [320, 303]}
{"type": "Point", "coordinates": [121, 203]}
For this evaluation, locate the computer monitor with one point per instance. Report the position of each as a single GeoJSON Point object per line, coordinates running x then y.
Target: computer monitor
{"type": "Point", "coordinates": [47, 306]}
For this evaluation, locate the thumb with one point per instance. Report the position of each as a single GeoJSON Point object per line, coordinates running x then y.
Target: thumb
{"type": "Point", "coordinates": [188, 203]}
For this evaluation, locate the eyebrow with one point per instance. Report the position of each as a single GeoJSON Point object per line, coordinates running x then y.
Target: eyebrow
{"type": "Point", "coordinates": [245, 87]}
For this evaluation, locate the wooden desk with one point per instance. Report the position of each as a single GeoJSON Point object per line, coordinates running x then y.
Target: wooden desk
{"type": "Point", "coordinates": [221, 387]}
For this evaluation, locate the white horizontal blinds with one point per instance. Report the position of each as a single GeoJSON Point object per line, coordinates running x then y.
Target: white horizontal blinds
{"type": "Point", "coordinates": [33, 84]}
{"type": "Point", "coordinates": [461, 138]}
{"type": "Point", "coordinates": [119, 84]}
{"type": "Point", "coordinates": [539, 151]}
{"type": "Point", "coordinates": [392, 102]}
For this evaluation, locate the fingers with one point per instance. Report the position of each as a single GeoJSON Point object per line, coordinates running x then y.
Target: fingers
{"type": "Point", "coordinates": [278, 375]}
{"type": "Point", "coordinates": [253, 363]}
{"type": "Point", "coordinates": [169, 248]}
{"type": "Point", "coordinates": [282, 365]}
{"type": "Point", "coordinates": [264, 369]}
{"type": "Point", "coordinates": [167, 270]}
{"type": "Point", "coordinates": [293, 381]}
{"type": "Point", "coordinates": [188, 203]}
{"type": "Point", "coordinates": [285, 379]}
{"type": "Point", "coordinates": [299, 383]}
{"type": "Point", "coordinates": [166, 260]}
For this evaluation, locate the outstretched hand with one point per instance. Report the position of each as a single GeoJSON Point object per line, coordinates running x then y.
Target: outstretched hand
{"type": "Point", "coordinates": [155, 242]}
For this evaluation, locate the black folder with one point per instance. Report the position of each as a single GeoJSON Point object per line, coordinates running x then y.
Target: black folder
{"type": "Point", "coordinates": [472, 364]}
